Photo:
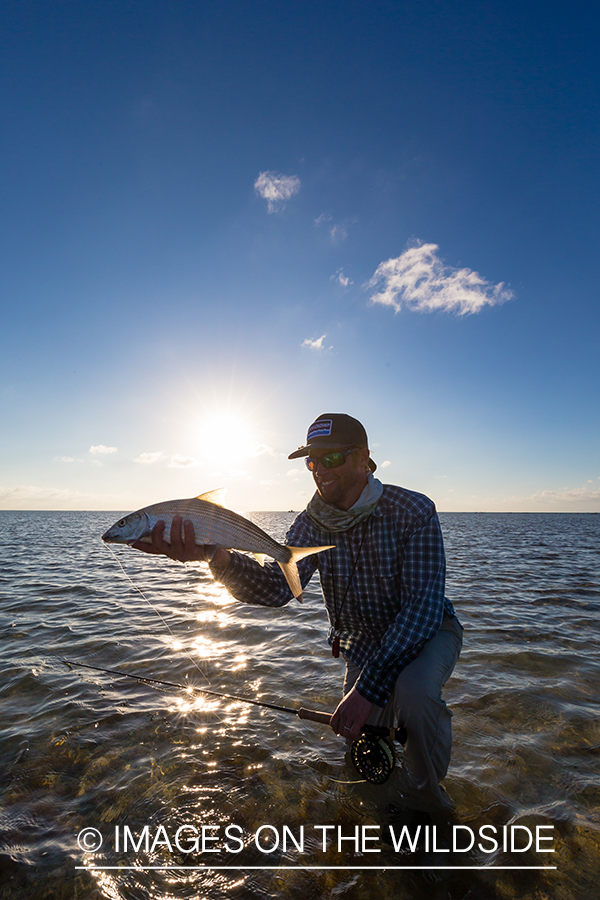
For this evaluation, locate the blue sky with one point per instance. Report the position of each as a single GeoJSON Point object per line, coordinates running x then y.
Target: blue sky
{"type": "Point", "coordinates": [222, 219]}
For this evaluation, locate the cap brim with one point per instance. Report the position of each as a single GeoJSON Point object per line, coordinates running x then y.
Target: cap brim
{"type": "Point", "coordinates": [323, 444]}
{"type": "Point", "coordinates": [301, 451]}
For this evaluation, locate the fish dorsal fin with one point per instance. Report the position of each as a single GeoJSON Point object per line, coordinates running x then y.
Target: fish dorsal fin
{"type": "Point", "coordinates": [217, 497]}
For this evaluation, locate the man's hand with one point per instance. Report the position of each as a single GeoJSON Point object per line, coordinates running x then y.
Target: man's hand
{"type": "Point", "coordinates": [350, 716]}
{"type": "Point", "coordinates": [182, 550]}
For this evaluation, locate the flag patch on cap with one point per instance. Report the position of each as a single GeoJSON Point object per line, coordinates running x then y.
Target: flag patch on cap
{"type": "Point", "coordinates": [320, 428]}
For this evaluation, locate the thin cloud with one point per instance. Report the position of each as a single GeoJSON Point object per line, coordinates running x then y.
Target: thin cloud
{"type": "Point", "coordinates": [66, 459]}
{"type": "Point", "coordinates": [317, 344]}
{"type": "Point", "coordinates": [101, 449]}
{"type": "Point", "coordinates": [385, 464]}
{"type": "Point", "coordinates": [578, 499]}
{"type": "Point", "coordinates": [147, 459]}
{"type": "Point", "coordinates": [342, 279]}
{"type": "Point", "coordinates": [574, 495]}
{"type": "Point", "coordinates": [256, 449]}
{"type": "Point", "coordinates": [239, 473]}
{"type": "Point", "coordinates": [276, 189]}
{"type": "Point", "coordinates": [419, 280]}
{"type": "Point", "coordinates": [182, 462]}
{"type": "Point", "coordinates": [30, 492]}
{"type": "Point", "coordinates": [338, 234]}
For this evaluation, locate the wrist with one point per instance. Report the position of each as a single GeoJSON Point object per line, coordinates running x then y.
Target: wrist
{"type": "Point", "coordinates": [220, 560]}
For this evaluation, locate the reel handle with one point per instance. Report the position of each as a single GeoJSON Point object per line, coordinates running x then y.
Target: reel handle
{"type": "Point", "coordinates": [314, 716]}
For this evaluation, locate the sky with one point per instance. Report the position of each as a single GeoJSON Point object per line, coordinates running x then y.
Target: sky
{"type": "Point", "coordinates": [220, 220]}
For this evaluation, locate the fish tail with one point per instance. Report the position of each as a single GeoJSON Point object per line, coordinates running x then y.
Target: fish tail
{"type": "Point", "coordinates": [290, 568]}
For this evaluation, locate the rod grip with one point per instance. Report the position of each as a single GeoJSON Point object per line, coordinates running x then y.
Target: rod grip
{"type": "Point", "coordinates": [314, 716]}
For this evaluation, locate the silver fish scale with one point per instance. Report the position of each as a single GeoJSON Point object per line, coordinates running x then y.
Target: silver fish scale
{"type": "Point", "coordinates": [217, 525]}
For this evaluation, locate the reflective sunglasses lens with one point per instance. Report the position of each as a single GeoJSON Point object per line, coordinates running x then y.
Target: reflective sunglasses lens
{"type": "Point", "coordinates": [330, 461]}
{"type": "Point", "coordinates": [333, 460]}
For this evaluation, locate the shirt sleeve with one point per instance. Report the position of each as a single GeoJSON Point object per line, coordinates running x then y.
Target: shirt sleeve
{"type": "Point", "coordinates": [249, 582]}
{"type": "Point", "coordinates": [420, 616]}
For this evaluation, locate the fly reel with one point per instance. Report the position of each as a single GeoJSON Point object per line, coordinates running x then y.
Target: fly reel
{"type": "Point", "coordinates": [373, 757]}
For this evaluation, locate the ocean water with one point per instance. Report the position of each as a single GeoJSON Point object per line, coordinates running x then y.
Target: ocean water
{"type": "Point", "coordinates": [141, 764]}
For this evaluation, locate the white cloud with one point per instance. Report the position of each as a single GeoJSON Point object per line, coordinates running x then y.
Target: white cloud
{"type": "Point", "coordinates": [149, 458]}
{"type": "Point", "coordinates": [276, 189]}
{"type": "Point", "coordinates": [256, 449]}
{"type": "Point", "coordinates": [575, 495]}
{"type": "Point", "coordinates": [66, 459]}
{"type": "Point", "coordinates": [342, 279]}
{"type": "Point", "coordinates": [385, 464]}
{"type": "Point", "coordinates": [338, 234]}
{"type": "Point", "coordinates": [419, 280]}
{"type": "Point", "coordinates": [25, 492]}
{"type": "Point", "coordinates": [578, 499]}
{"type": "Point", "coordinates": [101, 449]}
{"type": "Point", "coordinates": [182, 462]}
{"type": "Point", "coordinates": [239, 473]}
{"type": "Point", "coordinates": [317, 344]}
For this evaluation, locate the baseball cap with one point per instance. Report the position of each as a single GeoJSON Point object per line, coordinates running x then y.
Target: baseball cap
{"type": "Point", "coordinates": [334, 431]}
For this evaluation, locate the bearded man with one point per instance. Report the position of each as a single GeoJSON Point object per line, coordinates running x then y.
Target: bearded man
{"type": "Point", "coordinates": [383, 586]}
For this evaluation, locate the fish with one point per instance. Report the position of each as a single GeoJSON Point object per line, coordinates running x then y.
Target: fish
{"type": "Point", "coordinates": [213, 524]}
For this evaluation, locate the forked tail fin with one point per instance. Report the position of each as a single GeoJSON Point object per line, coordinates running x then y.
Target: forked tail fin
{"type": "Point", "coordinates": [290, 568]}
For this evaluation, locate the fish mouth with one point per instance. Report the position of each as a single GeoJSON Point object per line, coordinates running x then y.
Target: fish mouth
{"type": "Point", "coordinates": [109, 538]}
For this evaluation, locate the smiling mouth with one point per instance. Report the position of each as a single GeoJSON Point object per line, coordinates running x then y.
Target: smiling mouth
{"type": "Point", "coordinates": [322, 483]}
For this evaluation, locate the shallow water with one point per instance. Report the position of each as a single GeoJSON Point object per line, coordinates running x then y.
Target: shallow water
{"type": "Point", "coordinates": [81, 750]}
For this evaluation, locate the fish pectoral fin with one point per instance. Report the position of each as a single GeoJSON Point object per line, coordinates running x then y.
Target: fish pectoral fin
{"type": "Point", "coordinates": [217, 497]}
{"type": "Point", "coordinates": [260, 558]}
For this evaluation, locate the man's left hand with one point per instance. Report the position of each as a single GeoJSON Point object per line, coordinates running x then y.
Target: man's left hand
{"type": "Point", "coordinates": [350, 716]}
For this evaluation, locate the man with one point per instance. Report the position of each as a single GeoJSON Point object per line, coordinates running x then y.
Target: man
{"type": "Point", "coordinates": [383, 587]}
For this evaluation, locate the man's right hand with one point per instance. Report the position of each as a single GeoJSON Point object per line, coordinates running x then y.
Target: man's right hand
{"type": "Point", "coordinates": [182, 550]}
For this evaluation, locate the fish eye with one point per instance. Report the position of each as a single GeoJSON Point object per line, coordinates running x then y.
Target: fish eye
{"type": "Point", "coordinates": [122, 522]}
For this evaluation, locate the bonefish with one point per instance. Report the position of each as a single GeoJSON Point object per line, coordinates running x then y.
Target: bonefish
{"type": "Point", "coordinates": [213, 524]}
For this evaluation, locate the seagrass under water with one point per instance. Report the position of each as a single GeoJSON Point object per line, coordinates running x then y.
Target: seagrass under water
{"type": "Point", "coordinates": [80, 751]}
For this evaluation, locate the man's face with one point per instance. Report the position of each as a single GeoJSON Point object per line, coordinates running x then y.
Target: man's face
{"type": "Point", "coordinates": [343, 485]}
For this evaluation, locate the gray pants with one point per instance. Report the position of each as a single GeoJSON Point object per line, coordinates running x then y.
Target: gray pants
{"type": "Point", "coordinates": [417, 704]}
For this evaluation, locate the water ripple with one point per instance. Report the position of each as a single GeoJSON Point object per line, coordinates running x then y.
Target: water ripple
{"type": "Point", "coordinates": [83, 749]}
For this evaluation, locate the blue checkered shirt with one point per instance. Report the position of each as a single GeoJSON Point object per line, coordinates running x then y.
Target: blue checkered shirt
{"type": "Point", "coordinates": [393, 603]}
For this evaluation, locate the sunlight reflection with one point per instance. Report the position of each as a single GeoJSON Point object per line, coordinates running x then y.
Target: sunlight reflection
{"type": "Point", "coordinates": [107, 885]}
{"type": "Point", "coordinates": [206, 648]}
{"type": "Point", "coordinates": [215, 593]}
{"type": "Point", "coordinates": [210, 615]}
{"type": "Point", "coordinates": [197, 704]}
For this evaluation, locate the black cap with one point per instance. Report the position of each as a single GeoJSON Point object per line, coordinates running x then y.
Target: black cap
{"type": "Point", "coordinates": [334, 431]}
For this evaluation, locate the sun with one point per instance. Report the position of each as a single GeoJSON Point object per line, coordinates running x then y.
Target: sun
{"type": "Point", "coordinates": [225, 439]}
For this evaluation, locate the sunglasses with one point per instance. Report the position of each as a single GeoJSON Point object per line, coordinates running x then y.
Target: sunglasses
{"type": "Point", "coordinates": [330, 460]}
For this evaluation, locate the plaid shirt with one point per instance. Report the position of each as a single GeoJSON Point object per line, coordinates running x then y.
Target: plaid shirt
{"type": "Point", "coordinates": [393, 603]}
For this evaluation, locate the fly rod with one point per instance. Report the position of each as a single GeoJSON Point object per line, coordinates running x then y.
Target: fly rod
{"type": "Point", "coordinates": [372, 754]}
